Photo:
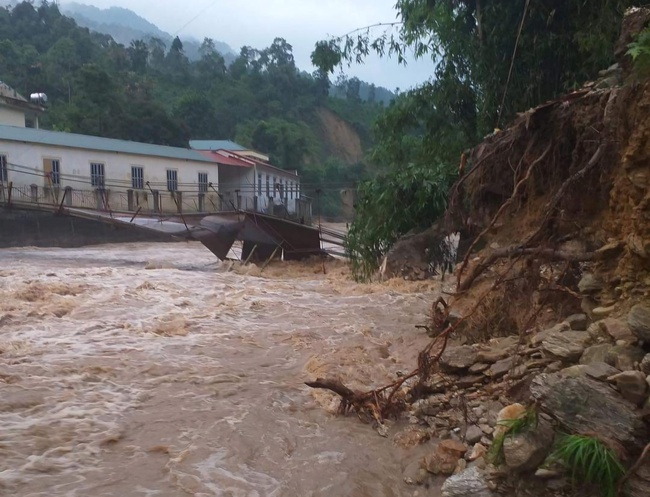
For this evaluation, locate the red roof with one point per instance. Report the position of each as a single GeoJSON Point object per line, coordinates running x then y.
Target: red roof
{"type": "Point", "coordinates": [226, 160]}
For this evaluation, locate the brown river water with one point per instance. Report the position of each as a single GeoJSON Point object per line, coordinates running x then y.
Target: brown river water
{"type": "Point", "coordinates": [150, 370]}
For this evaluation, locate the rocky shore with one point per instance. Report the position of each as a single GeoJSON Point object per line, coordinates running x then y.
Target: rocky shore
{"type": "Point", "coordinates": [586, 374]}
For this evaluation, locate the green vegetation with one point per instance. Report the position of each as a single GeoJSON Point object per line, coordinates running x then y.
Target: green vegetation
{"type": "Point", "coordinates": [479, 83]}
{"type": "Point", "coordinates": [512, 427]}
{"type": "Point", "coordinates": [154, 93]}
{"type": "Point", "coordinates": [590, 461]}
{"type": "Point", "coordinates": [639, 50]}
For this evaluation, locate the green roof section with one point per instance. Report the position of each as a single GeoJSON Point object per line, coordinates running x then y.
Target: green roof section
{"type": "Point", "coordinates": [216, 145]}
{"type": "Point", "coordinates": [87, 142]}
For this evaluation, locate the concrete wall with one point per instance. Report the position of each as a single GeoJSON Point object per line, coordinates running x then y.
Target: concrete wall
{"type": "Point", "coordinates": [12, 117]}
{"type": "Point", "coordinates": [26, 168]}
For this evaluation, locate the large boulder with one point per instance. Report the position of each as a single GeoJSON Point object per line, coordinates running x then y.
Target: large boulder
{"type": "Point", "coordinates": [582, 404]}
{"type": "Point", "coordinates": [567, 345]}
{"type": "Point", "coordinates": [624, 357]}
{"type": "Point", "coordinates": [472, 482]}
{"type": "Point", "coordinates": [618, 330]}
{"type": "Point", "coordinates": [639, 321]}
{"type": "Point", "coordinates": [596, 353]}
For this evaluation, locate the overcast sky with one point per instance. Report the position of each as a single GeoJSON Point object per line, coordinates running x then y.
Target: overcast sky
{"type": "Point", "coordinates": [301, 22]}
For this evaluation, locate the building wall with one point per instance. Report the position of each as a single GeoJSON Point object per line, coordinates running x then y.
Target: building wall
{"type": "Point", "coordinates": [26, 168]}
{"type": "Point", "coordinates": [12, 117]}
{"type": "Point", "coordinates": [233, 178]}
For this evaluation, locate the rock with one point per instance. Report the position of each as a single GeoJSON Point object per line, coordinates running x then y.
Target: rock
{"type": "Point", "coordinates": [411, 436]}
{"type": "Point", "coordinates": [624, 357]}
{"type": "Point", "coordinates": [541, 336]}
{"type": "Point", "coordinates": [639, 483]}
{"type": "Point", "coordinates": [479, 450]}
{"type": "Point", "coordinates": [582, 404]}
{"type": "Point", "coordinates": [468, 381]}
{"type": "Point", "coordinates": [444, 458]}
{"type": "Point", "coordinates": [472, 482]}
{"type": "Point", "coordinates": [518, 372]}
{"type": "Point", "coordinates": [458, 358]}
{"type": "Point", "coordinates": [508, 413]}
{"type": "Point", "coordinates": [568, 345]}
{"type": "Point", "coordinates": [547, 474]}
{"type": "Point", "coordinates": [554, 367]}
{"type": "Point", "coordinates": [638, 320]}
{"type": "Point", "coordinates": [474, 434]}
{"type": "Point", "coordinates": [479, 367]}
{"type": "Point", "coordinates": [596, 353]}
{"type": "Point", "coordinates": [575, 370]}
{"type": "Point", "coordinates": [587, 304]}
{"type": "Point", "coordinates": [635, 243]}
{"type": "Point", "coordinates": [645, 364]}
{"type": "Point", "coordinates": [617, 329]}
{"type": "Point", "coordinates": [611, 250]}
{"type": "Point", "coordinates": [461, 466]}
{"type": "Point", "coordinates": [577, 322]}
{"type": "Point", "coordinates": [414, 473]}
{"type": "Point", "coordinates": [500, 368]}
{"type": "Point", "coordinates": [487, 429]}
{"type": "Point", "coordinates": [498, 349]}
{"type": "Point", "coordinates": [600, 370]}
{"type": "Point", "coordinates": [590, 284]}
{"type": "Point", "coordinates": [526, 451]}
{"type": "Point", "coordinates": [436, 383]}
{"type": "Point", "coordinates": [601, 312]}
{"type": "Point", "coordinates": [597, 333]}
{"type": "Point", "coordinates": [632, 385]}
{"type": "Point", "coordinates": [492, 409]}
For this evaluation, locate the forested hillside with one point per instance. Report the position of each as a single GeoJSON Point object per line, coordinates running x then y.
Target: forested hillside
{"type": "Point", "coordinates": [153, 93]}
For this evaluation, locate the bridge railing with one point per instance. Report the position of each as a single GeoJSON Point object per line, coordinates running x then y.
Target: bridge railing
{"type": "Point", "coordinates": [150, 202]}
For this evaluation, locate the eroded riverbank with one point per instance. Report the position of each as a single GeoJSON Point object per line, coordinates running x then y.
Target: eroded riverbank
{"type": "Point", "coordinates": [146, 369]}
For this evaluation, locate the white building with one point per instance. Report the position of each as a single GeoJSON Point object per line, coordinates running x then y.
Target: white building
{"type": "Point", "coordinates": [40, 166]}
{"type": "Point", "coordinates": [104, 173]}
{"type": "Point", "coordinates": [249, 181]}
{"type": "Point", "coordinates": [15, 110]}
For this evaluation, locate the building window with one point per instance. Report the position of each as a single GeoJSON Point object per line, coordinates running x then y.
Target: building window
{"type": "Point", "coordinates": [275, 185]}
{"type": "Point", "coordinates": [259, 184]}
{"type": "Point", "coordinates": [56, 172]}
{"type": "Point", "coordinates": [291, 191]}
{"type": "Point", "coordinates": [97, 174]}
{"type": "Point", "coordinates": [268, 187]}
{"type": "Point", "coordinates": [172, 180]}
{"type": "Point", "coordinates": [4, 174]}
{"type": "Point", "coordinates": [137, 177]}
{"type": "Point", "coordinates": [203, 182]}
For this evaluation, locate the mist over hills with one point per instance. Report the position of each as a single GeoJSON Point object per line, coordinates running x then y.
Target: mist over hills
{"type": "Point", "coordinates": [126, 26]}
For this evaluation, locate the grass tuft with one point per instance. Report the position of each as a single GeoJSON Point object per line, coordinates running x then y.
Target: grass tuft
{"type": "Point", "coordinates": [590, 461]}
{"type": "Point", "coordinates": [513, 427]}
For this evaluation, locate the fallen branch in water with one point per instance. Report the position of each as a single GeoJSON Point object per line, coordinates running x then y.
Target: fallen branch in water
{"type": "Point", "coordinates": [378, 404]}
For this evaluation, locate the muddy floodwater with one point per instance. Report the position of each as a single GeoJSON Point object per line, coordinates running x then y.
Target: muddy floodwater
{"type": "Point", "coordinates": [150, 370]}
